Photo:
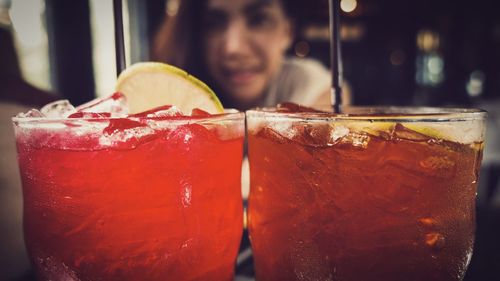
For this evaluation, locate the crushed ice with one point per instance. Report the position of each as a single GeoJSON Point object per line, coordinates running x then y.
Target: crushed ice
{"type": "Point", "coordinates": [125, 136]}
{"type": "Point", "coordinates": [172, 111]}
{"type": "Point", "coordinates": [337, 133]}
{"type": "Point", "coordinates": [116, 105]}
{"type": "Point", "coordinates": [32, 113]}
{"type": "Point", "coordinates": [286, 129]}
{"type": "Point", "coordinates": [58, 109]}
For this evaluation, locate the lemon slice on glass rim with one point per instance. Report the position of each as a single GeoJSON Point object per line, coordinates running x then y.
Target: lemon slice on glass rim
{"type": "Point", "coordinates": [147, 85]}
{"type": "Point", "coordinates": [464, 132]}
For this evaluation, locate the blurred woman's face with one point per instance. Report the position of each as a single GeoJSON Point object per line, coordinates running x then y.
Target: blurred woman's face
{"type": "Point", "coordinates": [245, 41]}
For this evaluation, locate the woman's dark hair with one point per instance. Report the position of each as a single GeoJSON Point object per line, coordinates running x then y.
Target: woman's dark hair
{"type": "Point", "coordinates": [179, 38]}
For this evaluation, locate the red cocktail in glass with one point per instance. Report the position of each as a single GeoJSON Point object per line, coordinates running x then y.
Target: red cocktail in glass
{"type": "Point", "coordinates": [135, 198]}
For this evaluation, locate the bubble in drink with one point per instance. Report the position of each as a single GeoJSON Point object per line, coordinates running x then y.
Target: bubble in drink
{"type": "Point", "coordinates": [52, 269]}
{"type": "Point", "coordinates": [435, 240]}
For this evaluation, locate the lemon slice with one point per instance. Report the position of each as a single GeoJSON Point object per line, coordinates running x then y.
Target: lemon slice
{"type": "Point", "coordinates": [372, 128]}
{"type": "Point", "coordinates": [376, 128]}
{"type": "Point", "coordinates": [464, 132]}
{"type": "Point", "coordinates": [429, 130]}
{"type": "Point", "coordinates": [147, 85]}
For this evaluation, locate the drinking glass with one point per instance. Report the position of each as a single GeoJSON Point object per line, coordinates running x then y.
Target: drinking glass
{"type": "Point", "coordinates": [136, 198]}
{"type": "Point", "coordinates": [374, 193]}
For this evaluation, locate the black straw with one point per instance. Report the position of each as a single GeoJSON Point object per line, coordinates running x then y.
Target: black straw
{"type": "Point", "coordinates": [335, 55]}
{"type": "Point", "coordinates": [119, 40]}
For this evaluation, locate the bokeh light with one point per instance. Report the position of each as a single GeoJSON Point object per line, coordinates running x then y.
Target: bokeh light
{"type": "Point", "coordinates": [348, 5]}
{"type": "Point", "coordinates": [302, 49]}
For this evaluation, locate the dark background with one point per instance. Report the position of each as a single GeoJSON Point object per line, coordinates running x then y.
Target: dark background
{"type": "Point", "coordinates": [468, 33]}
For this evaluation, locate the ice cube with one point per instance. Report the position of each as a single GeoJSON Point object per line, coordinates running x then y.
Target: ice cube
{"type": "Point", "coordinates": [327, 134]}
{"type": "Point", "coordinates": [463, 131]}
{"type": "Point", "coordinates": [90, 115]}
{"type": "Point", "coordinates": [32, 113]}
{"type": "Point", "coordinates": [188, 136]}
{"type": "Point", "coordinates": [293, 107]}
{"type": "Point", "coordinates": [440, 166]}
{"type": "Point", "coordinates": [401, 132]}
{"type": "Point", "coordinates": [320, 133]}
{"type": "Point", "coordinates": [317, 135]}
{"type": "Point", "coordinates": [121, 124]}
{"type": "Point", "coordinates": [285, 129]}
{"type": "Point", "coordinates": [161, 111]}
{"type": "Point", "coordinates": [359, 140]}
{"type": "Point", "coordinates": [116, 105]}
{"type": "Point", "coordinates": [199, 113]}
{"type": "Point", "coordinates": [271, 134]}
{"type": "Point", "coordinates": [337, 133]}
{"type": "Point", "coordinates": [58, 109]}
{"type": "Point", "coordinates": [125, 134]}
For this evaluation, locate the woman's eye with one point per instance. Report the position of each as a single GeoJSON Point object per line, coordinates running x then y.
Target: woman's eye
{"type": "Point", "coordinates": [260, 20]}
{"type": "Point", "coordinates": [215, 22]}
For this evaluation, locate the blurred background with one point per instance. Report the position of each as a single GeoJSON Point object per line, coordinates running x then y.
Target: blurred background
{"type": "Point", "coordinates": [414, 52]}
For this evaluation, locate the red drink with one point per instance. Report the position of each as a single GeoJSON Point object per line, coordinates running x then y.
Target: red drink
{"type": "Point", "coordinates": [149, 199]}
{"type": "Point", "coordinates": [363, 197]}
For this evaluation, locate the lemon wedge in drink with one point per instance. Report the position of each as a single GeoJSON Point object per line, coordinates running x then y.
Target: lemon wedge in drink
{"type": "Point", "coordinates": [147, 85]}
{"type": "Point", "coordinates": [429, 130]}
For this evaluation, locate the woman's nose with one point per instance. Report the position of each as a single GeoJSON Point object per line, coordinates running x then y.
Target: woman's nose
{"type": "Point", "coordinates": [236, 38]}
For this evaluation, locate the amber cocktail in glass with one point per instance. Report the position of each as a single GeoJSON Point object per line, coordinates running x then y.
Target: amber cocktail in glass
{"type": "Point", "coordinates": [369, 194]}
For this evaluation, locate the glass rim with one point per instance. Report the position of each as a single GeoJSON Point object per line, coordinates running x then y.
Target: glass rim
{"type": "Point", "coordinates": [377, 113]}
{"type": "Point", "coordinates": [226, 116]}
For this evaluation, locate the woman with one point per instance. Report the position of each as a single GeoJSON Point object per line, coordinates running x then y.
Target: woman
{"type": "Point", "coordinates": [238, 47]}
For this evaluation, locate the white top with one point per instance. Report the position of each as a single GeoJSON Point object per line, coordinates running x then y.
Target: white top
{"type": "Point", "coordinates": [300, 80]}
